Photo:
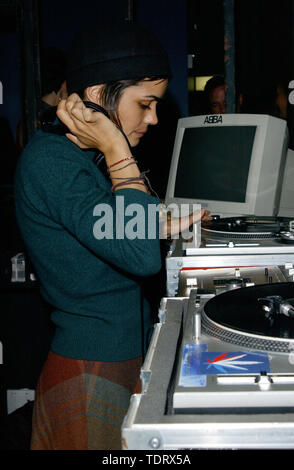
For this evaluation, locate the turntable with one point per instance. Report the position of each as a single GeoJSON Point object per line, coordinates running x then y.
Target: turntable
{"type": "Point", "coordinates": [232, 242]}
{"type": "Point", "coordinates": [219, 373]}
{"type": "Point", "coordinates": [260, 317]}
{"type": "Point", "coordinates": [235, 346]}
{"type": "Point", "coordinates": [279, 229]}
{"type": "Point", "coordinates": [245, 235]}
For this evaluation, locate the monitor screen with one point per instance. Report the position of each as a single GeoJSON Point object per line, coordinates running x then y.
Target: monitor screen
{"type": "Point", "coordinates": [230, 161]}
{"type": "Point", "coordinates": [230, 164]}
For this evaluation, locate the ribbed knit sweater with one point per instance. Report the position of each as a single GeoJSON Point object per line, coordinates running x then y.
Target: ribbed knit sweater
{"type": "Point", "coordinates": [93, 284]}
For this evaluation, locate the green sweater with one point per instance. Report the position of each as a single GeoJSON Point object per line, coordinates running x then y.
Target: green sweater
{"type": "Point", "coordinates": [93, 284]}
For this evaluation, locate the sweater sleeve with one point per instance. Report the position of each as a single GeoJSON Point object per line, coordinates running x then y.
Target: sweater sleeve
{"type": "Point", "coordinates": [121, 228]}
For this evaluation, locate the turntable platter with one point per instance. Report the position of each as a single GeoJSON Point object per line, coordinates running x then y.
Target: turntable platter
{"type": "Point", "coordinates": [237, 316]}
{"type": "Point", "coordinates": [247, 227]}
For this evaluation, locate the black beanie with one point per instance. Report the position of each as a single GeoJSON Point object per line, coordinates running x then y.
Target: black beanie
{"type": "Point", "coordinates": [108, 53]}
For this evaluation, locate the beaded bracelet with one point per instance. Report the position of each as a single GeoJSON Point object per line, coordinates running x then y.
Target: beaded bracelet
{"type": "Point", "coordinates": [125, 183]}
{"type": "Point", "coordinates": [134, 180]}
{"type": "Point", "coordinates": [120, 161]}
{"type": "Point", "coordinates": [122, 168]}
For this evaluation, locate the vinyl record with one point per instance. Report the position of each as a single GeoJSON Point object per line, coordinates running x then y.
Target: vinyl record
{"type": "Point", "coordinates": [248, 227]}
{"type": "Point", "coordinates": [243, 310]}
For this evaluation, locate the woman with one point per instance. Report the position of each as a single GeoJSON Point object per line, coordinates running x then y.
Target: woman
{"type": "Point", "coordinates": [93, 282]}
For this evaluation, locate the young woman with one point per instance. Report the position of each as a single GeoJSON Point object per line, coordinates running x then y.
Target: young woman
{"type": "Point", "coordinates": [94, 283]}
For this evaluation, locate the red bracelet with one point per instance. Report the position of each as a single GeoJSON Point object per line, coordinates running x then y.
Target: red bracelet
{"type": "Point", "coordinates": [120, 161]}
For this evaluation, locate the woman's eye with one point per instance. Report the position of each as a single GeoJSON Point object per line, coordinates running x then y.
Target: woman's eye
{"type": "Point", "coordinates": [145, 106]}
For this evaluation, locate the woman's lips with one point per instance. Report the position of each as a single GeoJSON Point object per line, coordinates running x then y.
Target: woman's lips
{"type": "Point", "coordinates": [140, 133]}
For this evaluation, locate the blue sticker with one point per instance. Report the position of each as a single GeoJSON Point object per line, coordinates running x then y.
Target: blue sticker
{"type": "Point", "coordinates": [213, 363]}
{"type": "Point", "coordinates": [197, 363]}
{"type": "Point", "coordinates": [190, 375]}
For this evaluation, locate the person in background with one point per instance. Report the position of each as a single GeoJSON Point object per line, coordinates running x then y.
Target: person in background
{"type": "Point", "coordinates": [53, 84]}
{"type": "Point", "coordinates": [215, 96]}
{"type": "Point", "coordinates": [282, 106]}
{"type": "Point", "coordinates": [281, 98]}
{"type": "Point", "coordinates": [53, 89]}
{"type": "Point", "coordinates": [215, 93]}
{"type": "Point", "coordinates": [66, 177]}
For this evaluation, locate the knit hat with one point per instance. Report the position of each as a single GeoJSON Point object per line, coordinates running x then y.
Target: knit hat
{"type": "Point", "coordinates": [113, 52]}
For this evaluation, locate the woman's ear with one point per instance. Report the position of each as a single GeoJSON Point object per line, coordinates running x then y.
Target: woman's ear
{"type": "Point", "coordinates": [93, 93]}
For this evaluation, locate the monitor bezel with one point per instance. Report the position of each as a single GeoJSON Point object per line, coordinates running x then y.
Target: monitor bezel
{"type": "Point", "coordinates": [262, 193]}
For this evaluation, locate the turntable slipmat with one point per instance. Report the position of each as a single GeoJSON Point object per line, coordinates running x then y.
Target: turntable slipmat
{"type": "Point", "coordinates": [236, 317]}
{"type": "Point", "coordinates": [246, 227]}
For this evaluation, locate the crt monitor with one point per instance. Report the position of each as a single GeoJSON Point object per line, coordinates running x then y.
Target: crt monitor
{"type": "Point", "coordinates": [230, 164]}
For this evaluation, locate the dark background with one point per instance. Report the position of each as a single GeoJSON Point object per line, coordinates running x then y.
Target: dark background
{"type": "Point", "coordinates": [263, 55]}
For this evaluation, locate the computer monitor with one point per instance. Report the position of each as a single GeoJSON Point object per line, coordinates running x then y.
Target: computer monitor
{"type": "Point", "coordinates": [230, 164]}
{"type": "Point", "coordinates": [287, 194]}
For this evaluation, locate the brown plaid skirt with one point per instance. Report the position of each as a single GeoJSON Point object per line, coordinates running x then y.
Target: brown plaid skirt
{"type": "Point", "coordinates": [80, 405]}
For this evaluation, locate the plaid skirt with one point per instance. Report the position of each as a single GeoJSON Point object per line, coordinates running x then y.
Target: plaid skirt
{"type": "Point", "coordinates": [80, 405]}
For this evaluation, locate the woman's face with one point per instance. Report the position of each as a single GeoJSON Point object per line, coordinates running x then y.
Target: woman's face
{"type": "Point", "coordinates": [137, 108]}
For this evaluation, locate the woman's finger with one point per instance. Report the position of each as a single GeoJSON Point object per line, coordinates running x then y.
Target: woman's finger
{"type": "Point", "coordinates": [88, 115]}
{"type": "Point", "coordinates": [75, 108]}
{"type": "Point", "coordinates": [76, 141]}
{"type": "Point", "coordinates": [64, 115]}
{"type": "Point", "coordinates": [83, 114]}
{"type": "Point", "coordinates": [73, 99]}
{"type": "Point", "coordinates": [71, 114]}
{"type": "Point", "coordinates": [78, 111]}
{"type": "Point", "coordinates": [206, 215]}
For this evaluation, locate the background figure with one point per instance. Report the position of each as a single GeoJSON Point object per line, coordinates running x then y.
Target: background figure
{"type": "Point", "coordinates": [53, 89]}
{"type": "Point", "coordinates": [53, 85]}
{"type": "Point", "coordinates": [281, 98]}
{"type": "Point", "coordinates": [215, 96]}
{"type": "Point", "coordinates": [282, 107]}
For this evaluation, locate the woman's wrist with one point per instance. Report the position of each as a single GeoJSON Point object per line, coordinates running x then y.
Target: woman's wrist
{"type": "Point", "coordinates": [123, 171]}
{"type": "Point", "coordinates": [116, 152]}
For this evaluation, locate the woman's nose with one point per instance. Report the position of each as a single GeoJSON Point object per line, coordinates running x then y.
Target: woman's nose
{"type": "Point", "coordinates": [151, 117]}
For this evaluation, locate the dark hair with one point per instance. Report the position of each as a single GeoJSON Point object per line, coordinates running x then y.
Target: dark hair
{"type": "Point", "coordinates": [214, 82]}
{"type": "Point", "coordinates": [112, 92]}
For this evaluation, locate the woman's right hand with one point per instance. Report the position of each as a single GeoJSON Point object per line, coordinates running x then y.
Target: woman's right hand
{"type": "Point", "coordinates": [89, 129]}
{"type": "Point", "coordinates": [174, 226]}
